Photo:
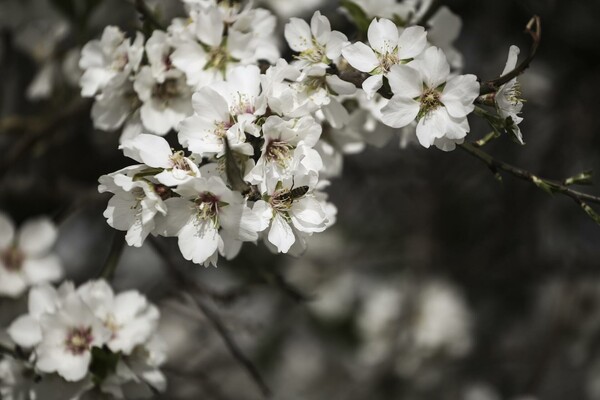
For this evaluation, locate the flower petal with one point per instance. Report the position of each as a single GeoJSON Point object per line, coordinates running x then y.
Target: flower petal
{"type": "Point", "coordinates": [383, 35]}
{"type": "Point", "coordinates": [400, 111]}
{"type": "Point", "coordinates": [361, 57]}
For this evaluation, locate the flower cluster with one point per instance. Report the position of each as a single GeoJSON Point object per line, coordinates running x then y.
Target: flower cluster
{"type": "Point", "coordinates": [146, 85]}
{"type": "Point", "coordinates": [256, 133]}
{"type": "Point", "coordinates": [92, 336]}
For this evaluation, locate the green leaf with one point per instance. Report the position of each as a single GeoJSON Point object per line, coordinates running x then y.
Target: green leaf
{"type": "Point", "coordinates": [590, 212]}
{"type": "Point", "coordinates": [104, 362]}
{"type": "Point", "coordinates": [583, 178]}
{"type": "Point", "coordinates": [358, 15]}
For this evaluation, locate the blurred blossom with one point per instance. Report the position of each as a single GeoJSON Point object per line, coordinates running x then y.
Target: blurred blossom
{"type": "Point", "coordinates": [26, 256]}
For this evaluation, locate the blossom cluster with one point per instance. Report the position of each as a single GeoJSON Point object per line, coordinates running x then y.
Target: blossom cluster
{"type": "Point", "coordinates": [89, 335]}
{"type": "Point", "coordinates": [257, 135]}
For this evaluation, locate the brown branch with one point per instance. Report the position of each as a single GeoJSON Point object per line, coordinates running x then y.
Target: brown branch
{"type": "Point", "coordinates": [193, 288]}
{"type": "Point", "coordinates": [231, 344]}
{"type": "Point", "coordinates": [534, 29]}
{"type": "Point", "coordinates": [547, 184]}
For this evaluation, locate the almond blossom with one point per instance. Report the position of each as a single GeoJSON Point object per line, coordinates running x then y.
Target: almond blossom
{"type": "Point", "coordinates": [26, 256]}
{"type": "Point", "coordinates": [508, 97]}
{"type": "Point", "coordinates": [388, 46]}
{"type": "Point", "coordinates": [424, 91]}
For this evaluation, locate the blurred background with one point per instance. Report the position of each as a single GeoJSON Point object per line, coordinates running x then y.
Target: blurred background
{"type": "Point", "coordinates": [437, 281]}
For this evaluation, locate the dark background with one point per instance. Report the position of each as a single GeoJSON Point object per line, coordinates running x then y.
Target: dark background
{"type": "Point", "coordinates": [525, 263]}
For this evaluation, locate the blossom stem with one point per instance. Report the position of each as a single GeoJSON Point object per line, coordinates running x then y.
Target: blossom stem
{"type": "Point", "coordinates": [534, 29]}
{"type": "Point", "coordinates": [112, 261]}
{"type": "Point", "coordinates": [551, 186]}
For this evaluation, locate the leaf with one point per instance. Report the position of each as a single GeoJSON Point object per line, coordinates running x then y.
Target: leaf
{"type": "Point", "coordinates": [583, 178]}
{"type": "Point", "coordinates": [104, 362]}
{"type": "Point", "coordinates": [590, 212]}
{"type": "Point", "coordinates": [358, 15]}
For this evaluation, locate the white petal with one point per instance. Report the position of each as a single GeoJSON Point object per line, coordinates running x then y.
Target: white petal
{"type": "Point", "coordinates": [191, 58]}
{"type": "Point", "coordinates": [211, 105]}
{"type": "Point", "coordinates": [336, 42]}
{"type": "Point", "coordinates": [11, 284]}
{"type": "Point", "coordinates": [372, 84]}
{"type": "Point", "coordinates": [25, 331]}
{"type": "Point", "coordinates": [400, 111]}
{"type": "Point", "coordinates": [37, 236]}
{"type": "Point", "coordinates": [432, 126]}
{"type": "Point", "coordinates": [320, 27]}
{"type": "Point", "coordinates": [209, 27]}
{"type": "Point", "coordinates": [298, 35]}
{"type": "Point", "coordinates": [383, 35]}
{"type": "Point", "coordinates": [281, 234]}
{"type": "Point", "coordinates": [511, 62]}
{"type": "Point", "coordinates": [434, 67]}
{"type": "Point", "coordinates": [46, 269]}
{"type": "Point", "coordinates": [7, 231]}
{"type": "Point", "coordinates": [412, 42]}
{"type": "Point", "coordinates": [151, 150]}
{"type": "Point", "coordinates": [405, 81]}
{"type": "Point", "coordinates": [198, 240]}
{"type": "Point", "coordinates": [459, 94]}
{"type": "Point", "coordinates": [361, 57]}
{"type": "Point", "coordinates": [155, 117]}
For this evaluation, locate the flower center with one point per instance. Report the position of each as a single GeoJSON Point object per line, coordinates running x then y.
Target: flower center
{"type": "Point", "coordinates": [514, 95]}
{"type": "Point", "coordinates": [278, 152]}
{"type": "Point", "coordinates": [386, 60]}
{"type": "Point", "coordinates": [112, 325]}
{"type": "Point", "coordinates": [218, 58]}
{"type": "Point", "coordinates": [315, 55]}
{"type": "Point", "coordinates": [430, 100]}
{"type": "Point", "coordinates": [167, 90]}
{"type": "Point", "coordinates": [207, 207]}
{"type": "Point", "coordinates": [79, 340]}
{"type": "Point", "coordinates": [221, 128]}
{"type": "Point", "coordinates": [178, 161]}
{"type": "Point", "coordinates": [12, 258]}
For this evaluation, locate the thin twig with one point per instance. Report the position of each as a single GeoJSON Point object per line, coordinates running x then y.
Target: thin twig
{"type": "Point", "coordinates": [534, 29]}
{"type": "Point", "coordinates": [112, 261]}
{"type": "Point", "coordinates": [554, 186]}
{"type": "Point", "coordinates": [193, 287]}
{"type": "Point", "coordinates": [231, 345]}
{"type": "Point", "coordinates": [148, 14]}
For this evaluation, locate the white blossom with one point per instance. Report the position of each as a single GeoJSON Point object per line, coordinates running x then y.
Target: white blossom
{"type": "Point", "coordinates": [508, 97]}
{"type": "Point", "coordinates": [388, 47]}
{"type": "Point", "coordinates": [155, 152]}
{"type": "Point", "coordinates": [113, 57]}
{"type": "Point", "coordinates": [134, 205]}
{"type": "Point", "coordinates": [209, 219]}
{"type": "Point", "coordinates": [26, 256]}
{"type": "Point", "coordinates": [424, 91]}
{"type": "Point", "coordinates": [317, 43]}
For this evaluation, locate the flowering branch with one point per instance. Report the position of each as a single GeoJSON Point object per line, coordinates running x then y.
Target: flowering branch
{"type": "Point", "coordinates": [534, 29]}
{"type": "Point", "coordinates": [550, 186]}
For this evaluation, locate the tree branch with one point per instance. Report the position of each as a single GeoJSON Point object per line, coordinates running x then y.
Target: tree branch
{"type": "Point", "coordinates": [114, 255]}
{"type": "Point", "coordinates": [534, 29]}
{"type": "Point", "coordinates": [192, 287]}
{"type": "Point", "coordinates": [548, 185]}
